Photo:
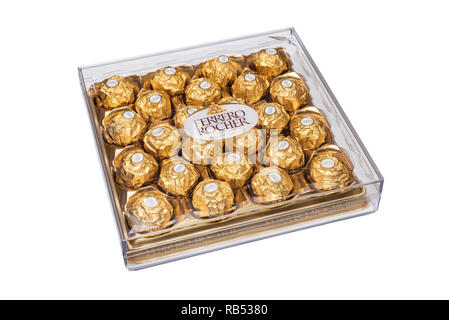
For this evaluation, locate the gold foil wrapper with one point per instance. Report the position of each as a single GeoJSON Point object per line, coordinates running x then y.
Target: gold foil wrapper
{"type": "Point", "coordinates": [271, 116]}
{"type": "Point", "coordinates": [148, 211]}
{"type": "Point", "coordinates": [123, 127]}
{"type": "Point", "coordinates": [271, 185]}
{"type": "Point", "coordinates": [223, 70]}
{"type": "Point", "coordinates": [153, 106]}
{"type": "Point", "coordinates": [182, 114]}
{"type": "Point", "coordinates": [115, 92]}
{"type": "Point", "coordinates": [329, 169]}
{"type": "Point", "coordinates": [247, 143]}
{"type": "Point", "coordinates": [250, 86]}
{"type": "Point", "coordinates": [177, 176]}
{"type": "Point", "coordinates": [290, 91]}
{"type": "Point", "coordinates": [231, 100]}
{"type": "Point", "coordinates": [169, 79]}
{"type": "Point", "coordinates": [202, 91]}
{"type": "Point", "coordinates": [309, 128]}
{"type": "Point", "coordinates": [233, 168]}
{"type": "Point", "coordinates": [269, 62]}
{"type": "Point", "coordinates": [162, 141]}
{"type": "Point", "coordinates": [284, 152]}
{"type": "Point", "coordinates": [212, 198]}
{"type": "Point", "coordinates": [201, 152]}
{"type": "Point", "coordinates": [134, 168]}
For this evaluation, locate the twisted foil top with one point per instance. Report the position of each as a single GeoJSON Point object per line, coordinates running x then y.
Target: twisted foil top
{"type": "Point", "coordinates": [162, 140]}
{"type": "Point", "coordinates": [309, 129]}
{"type": "Point", "coordinates": [148, 211]}
{"type": "Point", "coordinates": [153, 106]}
{"type": "Point", "coordinates": [134, 167]}
{"type": "Point", "coordinates": [123, 127]}
{"type": "Point", "coordinates": [271, 185]}
{"type": "Point", "coordinates": [284, 152]}
{"type": "Point", "coordinates": [269, 62]}
{"type": "Point", "coordinates": [233, 168]}
{"type": "Point", "coordinates": [202, 91]}
{"type": "Point", "coordinates": [177, 176]}
{"type": "Point", "coordinates": [115, 92]}
{"type": "Point", "coordinates": [271, 116]}
{"type": "Point", "coordinates": [329, 170]}
{"type": "Point", "coordinates": [201, 151]}
{"type": "Point", "coordinates": [249, 86]}
{"type": "Point", "coordinates": [170, 80]}
{"type": "Point", "coordinates": [183, 113]}
{"type": "Point", "coordinates": [289, 91]}
{"type": "Point", "coordinates": [222, 70]}
{"type": "Point", "coordinates": [247, 143]}
{"type": "Point", "coordinates": [212, 197]}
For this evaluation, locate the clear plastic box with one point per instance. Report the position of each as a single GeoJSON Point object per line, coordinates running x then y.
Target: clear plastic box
{"type": "Point", "coordinates": [188, 234]}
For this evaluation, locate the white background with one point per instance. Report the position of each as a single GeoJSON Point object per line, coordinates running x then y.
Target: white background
{"type": "Point", "coordinates": [387, 63]}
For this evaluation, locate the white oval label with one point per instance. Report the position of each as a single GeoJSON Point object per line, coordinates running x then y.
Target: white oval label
{"type": "Point", "coordinates": [224, 121]}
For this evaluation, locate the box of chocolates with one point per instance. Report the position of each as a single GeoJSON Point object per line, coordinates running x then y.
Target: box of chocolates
{"type": "Point", "coordinates": [220, 144]}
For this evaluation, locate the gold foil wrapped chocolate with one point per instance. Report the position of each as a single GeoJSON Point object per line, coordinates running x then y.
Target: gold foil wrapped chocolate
{"type": "Point", "coordinates": [202, 91]}
{"type": "Point", "coordinates": [182, 114]}
{"type": "Point", "coordinates": [169, 79]}
{"type": "Point", "coordinates": [148, 211]}
{"type": "Point", "coordinates": [329, 169]}
{"type": "Point", "coordinates": [162, 141]}
{"type": "Point", "coordinates": [153, 106]}
{"type": "Point", "coordinates": [231, 100]}
{"type": "Point", "coordinates": [212, 198]}
{"type": "Point", "coordinates": [309, 128]}
{"type": "Point", "coordinates": [290, 91]}
{"type": "Point", "coordinates": [123, 127]}
{"type": "Point", "coordinates": [201, 152]}
{"type": "Point", "coordinates": [271, 116]}
{"type": "Point", "coordinates": [233, 168]}
{"type": "Point", "coordinates": [177, 176]}
{"type": "Point", "coordinates": [134, 168]}
{"type": "Point", "coordinates": [269, 62]}
{"type": "Point", "coordinates": [250, 86]}
{"type": "Point", "coordinates": [222, 70]}
{"type": "Point", "coordinates": [284, 152]}
{"type": "Point", "coordinates": [247, 143]}
{"type": "Point", "coordinates": [271, 185]}
{"type": "Point", "coordinates": [115, 92]}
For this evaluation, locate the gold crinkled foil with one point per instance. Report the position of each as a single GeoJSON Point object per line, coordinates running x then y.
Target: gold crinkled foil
{"type": "Point", "coordinates": [177, 176]}
{"type": "Point", "coordinates": [148, 211]}
{"type": "Point", "coordinates": [212, 198]}
{"type": "Point", "coordinates": [233, 168]}
{"type": "Point", "coordinates": [153, 106]}
{"type": "Point", "coordinates": [247, 143]}
{"type": "Point", "coordinates": [171, 80]}
{"type": "Point", "coordinates": [271, 116]}
{"type": "Point", "coordinates": [162, 141]}
{"type": "Point", "coordinates": [115, 92]}
{"type": "Point", "coordinates": [284, 152]}
{"type": "Point", "coordinates": [182, 114]}
{"type": "Point", "coordinates": [289, 90]}
{"type": "Point", "coordinates": [269, 62]}
{"type": "Point", "coordinates": [201, 151]}
{"type": "Point", "coordinates": [271, 185]}
{"type": "Point", "coordinates": [202, 91]}
{"type": "Point", "coordinates": [309, 129]}
{"type": "Point", "coordinates": [134, 168]}
{"type": "Point", "coordinates": [250, 86]}
{"type": "Point", "coordinates": [231, 100]}
{"type": "Point", "coordinates": [222, 70]}
{"type": "Point", "coordinates": [329, 169]}
{"type": "Point", "coordinates": [123, 127]}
